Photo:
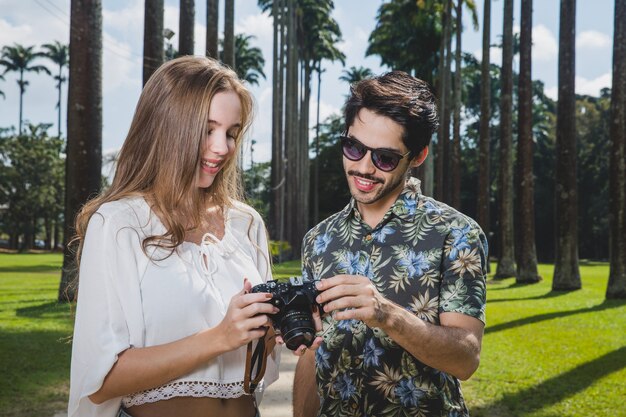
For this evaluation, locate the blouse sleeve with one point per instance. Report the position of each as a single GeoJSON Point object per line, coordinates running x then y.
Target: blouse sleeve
{"type": "Point", "coordinates": [264, 267]}
{"type": "Point", "coordinates": [108, 311]}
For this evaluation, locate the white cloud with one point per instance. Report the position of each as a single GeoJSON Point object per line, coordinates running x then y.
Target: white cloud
{"type": "Point", "coordinates": [593, 87]}
{"type": "Point", "coordinates": [545, 46]}
{"type": "Point", "coordinates": [592, 39]}
{"type": "Point", "coordinates": [586, 86]}
{"type": "Point", "coordinates": [552, 92]}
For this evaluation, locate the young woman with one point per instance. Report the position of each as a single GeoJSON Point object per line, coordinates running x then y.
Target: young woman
{"type": "Point", "coordinates": [167, 256]}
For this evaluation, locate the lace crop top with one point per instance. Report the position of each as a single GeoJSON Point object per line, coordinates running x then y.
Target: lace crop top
{"type": "Point", "coordinates": [128, 300]}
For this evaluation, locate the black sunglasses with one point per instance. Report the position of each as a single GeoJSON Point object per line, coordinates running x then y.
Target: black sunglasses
{"type": "Point", "coordinates": [383, 159]}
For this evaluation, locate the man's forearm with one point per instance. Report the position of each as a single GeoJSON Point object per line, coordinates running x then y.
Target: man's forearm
{"type": "Point", "coordinates": [446, 347]}
{"type": "Point", "coordinates": [305, 399]}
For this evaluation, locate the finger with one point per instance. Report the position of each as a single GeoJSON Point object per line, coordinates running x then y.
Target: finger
{"type": "Point", "coordinates": [336, 280]}
{"type": "Point", "coordinates": [343, 303]}
{"type": "Point", "coordinates": [262, 320]}
{"type": "Point", "coordinates": [338, 292]}
{"type": "Point", "coordinates": [317, 342]}
{"type": "Point", "coordinates": [247, 286]}
{"type": "Point", "coordinates": [243, 300]}
{"type": "Point", "coordinates": [317, 320]}
{"type": "Point", "coordinates": [301, 350]}
{"type": "Point", "coordinates": [259, 308]}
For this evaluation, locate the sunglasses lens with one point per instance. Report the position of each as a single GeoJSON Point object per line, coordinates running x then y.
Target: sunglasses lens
{"type": "Point", "coordinates": [352, 150]}
{"type": "Point", "coordinates": [385, 161]}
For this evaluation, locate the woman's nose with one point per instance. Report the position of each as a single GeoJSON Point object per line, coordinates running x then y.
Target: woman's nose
{"type": "Point", "coordinates": [218, 143]}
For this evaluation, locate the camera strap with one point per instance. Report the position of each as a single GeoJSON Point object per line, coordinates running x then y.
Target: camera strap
{"type": "Point", "coordinates": [258, 358]}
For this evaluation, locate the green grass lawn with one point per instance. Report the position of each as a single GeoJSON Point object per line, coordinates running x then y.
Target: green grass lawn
{"type": "Point", "coordinates": [545, 353]}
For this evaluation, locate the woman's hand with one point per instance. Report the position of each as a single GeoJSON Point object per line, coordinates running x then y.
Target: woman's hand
{"type": "Point", "coordinates": [246, 318]}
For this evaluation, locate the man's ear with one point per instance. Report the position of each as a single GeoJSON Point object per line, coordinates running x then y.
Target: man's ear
{"type": "Point", "coordinates": [420, 158]}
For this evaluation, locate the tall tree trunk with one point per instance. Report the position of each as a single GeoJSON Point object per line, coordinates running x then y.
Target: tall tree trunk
{"type": "Point", "coordinates": [48, 232]}
{"type": "Point", "coordinates": [304, 163]}
{"type": "Point", "coordinates": [276, 163]}
{"type": "Point", "coordinates": [447, 111]}
{"type": "Point", "coordinates": [316, 173]}
{"type": "Point", "coordinates": [22, 89]}
{"type": "Point", "coordinates": [617, 217]}
{"type": "Point", "coordinates": [525, 251]}
{"type": "Point", "coordinates": [60, 85]}
{"type": "Point", "coordinates": [506, 261]}
{"type": "Point", "coordinates": [212, 22]}
{"type": "Point", "coordinates": [84, 126]}
{"type": "Point", "coordinates": [441, 134]}
{"type": "Point", "coordinates": [152, 37]}
{"type": "Point", "coordinates": [455, 183]}
{"type": "Point", "coordinates": [484, 183]}
{"type": "Point", "coordinates": [186, 23]}
{"type": "Point", "coordinates": [229, 33]}
{"type": "Point", "coordinates": [291, 130]}
{"type": "Point", "coordinates": [566, 272]}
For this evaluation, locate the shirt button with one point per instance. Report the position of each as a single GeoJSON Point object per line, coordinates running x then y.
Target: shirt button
{"type": "Point", "coordinates": [368, 238]}
{"type": "Point", "coordinates": [357, 361]}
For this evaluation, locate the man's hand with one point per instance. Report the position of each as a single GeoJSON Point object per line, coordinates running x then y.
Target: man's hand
{"type": "Point", "coordinates": [354, 297]}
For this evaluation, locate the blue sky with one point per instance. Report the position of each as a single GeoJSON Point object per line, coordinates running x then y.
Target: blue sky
{"type": "Point", "coordinates": [34, 22]}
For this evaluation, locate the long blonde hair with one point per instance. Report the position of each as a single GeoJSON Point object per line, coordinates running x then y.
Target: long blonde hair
{"type": "Point", "coordinates": [160, 157]}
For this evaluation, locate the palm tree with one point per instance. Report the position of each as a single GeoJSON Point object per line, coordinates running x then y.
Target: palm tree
{"type": "Point", "coordinates": [525, 251]}
{"type": "Point", "coordinates": [212, 20]}
{"type": "Point", "coordinates": [566, 272]}
{"type": "Point", "coordinates": [249, 61]}
{"type": "Point", "coordinates": [506, 261]}
{"type": "Point", "coordinates": [153, 37]}
{"type": "Point", "coordinates": [443, 135]}
{"type": "Point", "coordinates": [186, 24]}
{"type": "Point", "coordinates": [84, 125]}
{"type": "Point", "coordinates": [20, 59]}
{"type": "Point", "coordinates": [617, 276]}
{"type": "Point", "coordinates": [355, 74]}
{"type": "Point", "coordinates": [455, 160]}
{"type": "Point", "coordinates": [59, 54]}
{"type": "Point", "coordinates": [1, 92]}
{"type": "Point", "coordinates": [484, 185]}
{"type": "Point", "coordinates": [229, 33]}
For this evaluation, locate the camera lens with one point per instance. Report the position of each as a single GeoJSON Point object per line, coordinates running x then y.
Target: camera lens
{"type": "Point", "coordinates": [297, 329]}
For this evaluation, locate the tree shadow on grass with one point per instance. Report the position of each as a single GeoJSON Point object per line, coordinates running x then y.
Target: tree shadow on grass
{"type": "Point", "coordinates": [556, 389]}
{"type": "Point", "coordinates": [49, 309]}
{"type": "Point", "coordinates": [30, 268]}
{"type": "Point", "coordinates": [550, 294]}
{"type": "Point", "coordinates": [605, 305]}
{"type": "Point", "coordinates": [35, 372]}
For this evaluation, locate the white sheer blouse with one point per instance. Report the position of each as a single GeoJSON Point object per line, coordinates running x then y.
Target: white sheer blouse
{"type": "Point", "coordinates": [127, 299]}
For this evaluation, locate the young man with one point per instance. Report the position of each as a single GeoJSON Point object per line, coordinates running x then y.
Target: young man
{"type": "Point", "coordinates": [401, 275]}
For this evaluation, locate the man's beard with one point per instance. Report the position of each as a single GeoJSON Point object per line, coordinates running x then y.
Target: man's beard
{"type": "Point", "coordinates": [382, 192]}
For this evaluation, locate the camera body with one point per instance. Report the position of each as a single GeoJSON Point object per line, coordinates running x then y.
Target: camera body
{"type": "Point", "coordinates": [295, 299]}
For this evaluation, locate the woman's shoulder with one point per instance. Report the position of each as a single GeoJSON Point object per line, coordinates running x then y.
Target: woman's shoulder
{"type": "Point", "coordinates": [242, 211]}
{"type": "Point", "coordinates": [127, 212]}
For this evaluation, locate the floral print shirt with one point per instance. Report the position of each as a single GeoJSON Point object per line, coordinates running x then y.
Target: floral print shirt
{"type": "Point", "coordinates": [424, 256]}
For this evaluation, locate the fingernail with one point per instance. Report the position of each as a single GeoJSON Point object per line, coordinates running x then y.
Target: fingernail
{"type": "Point", "coordinates": [268, 296]}
{"type": "Point", "coordinates": [318, 285]}
{"type": "Point", "coordinates": [318, 299]}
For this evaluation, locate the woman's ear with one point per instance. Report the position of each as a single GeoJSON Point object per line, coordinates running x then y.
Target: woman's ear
{"type": "Point", "coordinates": [420, 158]}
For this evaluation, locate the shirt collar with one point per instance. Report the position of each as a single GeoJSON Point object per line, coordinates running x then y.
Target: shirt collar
{"type": "Point", "coordinates": [404, 207]}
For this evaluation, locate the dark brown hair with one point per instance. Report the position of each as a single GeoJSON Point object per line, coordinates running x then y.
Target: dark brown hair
{"type": "Point", "coordinates": [406, 100]}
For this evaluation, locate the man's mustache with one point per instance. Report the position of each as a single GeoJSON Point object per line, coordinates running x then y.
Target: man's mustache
{"type": "Point", "coordinates": [366, 176]}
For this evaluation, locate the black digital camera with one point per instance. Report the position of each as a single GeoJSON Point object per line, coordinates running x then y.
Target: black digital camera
{"type": "Point", "coordinates": [295, 299]}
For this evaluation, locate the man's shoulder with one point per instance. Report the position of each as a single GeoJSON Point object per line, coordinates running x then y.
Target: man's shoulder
{"type": "Point", "coordinates": [447, 216]}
